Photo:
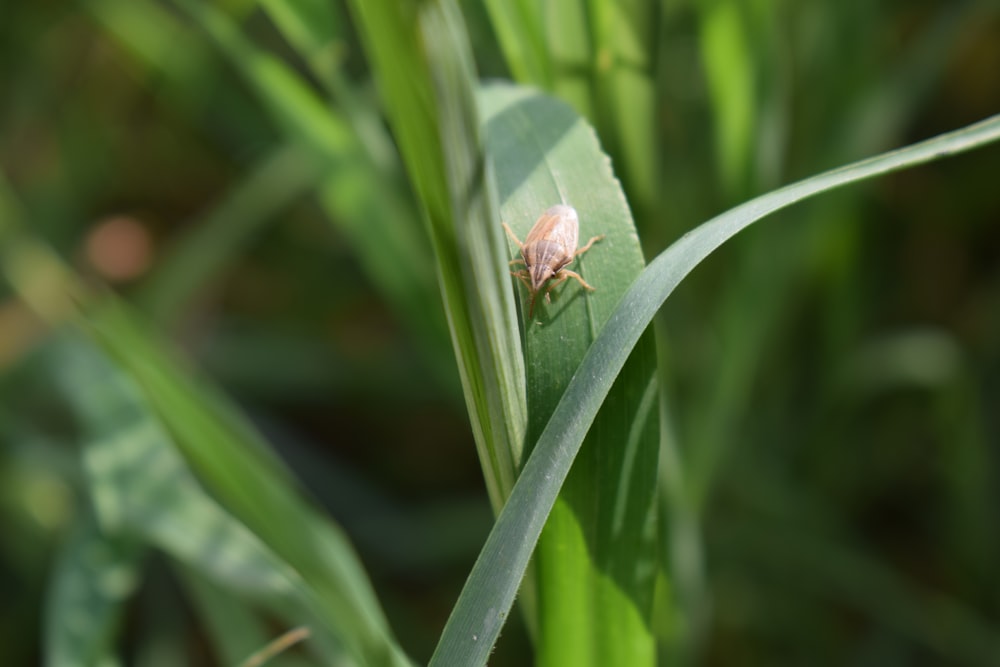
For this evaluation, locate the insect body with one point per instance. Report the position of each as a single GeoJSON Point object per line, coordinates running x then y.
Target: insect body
{"type": "Point", "coordinates": [549, 247]}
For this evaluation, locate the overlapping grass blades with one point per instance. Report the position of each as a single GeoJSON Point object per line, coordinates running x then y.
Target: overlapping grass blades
{"type": "Point", "coordinates": [486, 600]}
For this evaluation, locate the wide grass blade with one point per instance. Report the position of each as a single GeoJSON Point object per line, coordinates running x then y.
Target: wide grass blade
{"type": "Point", "coordinates": [596, 560]}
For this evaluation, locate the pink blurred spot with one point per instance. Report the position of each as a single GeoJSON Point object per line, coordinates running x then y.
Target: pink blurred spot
{"type": "Point", "coordinates": [119, 248]}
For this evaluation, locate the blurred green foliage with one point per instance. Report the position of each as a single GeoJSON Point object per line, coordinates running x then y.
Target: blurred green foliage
{"type": "Point", "coordinates": [833, 376]}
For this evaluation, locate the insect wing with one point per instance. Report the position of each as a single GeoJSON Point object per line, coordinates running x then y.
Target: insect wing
{"type": "Point", "coordinates": [559, 224]}
{"type": "Point", "coordinates": [545, 258]}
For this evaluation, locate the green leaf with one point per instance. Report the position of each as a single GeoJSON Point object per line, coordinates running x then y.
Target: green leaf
{"type": "Point", "coordinates": [482, 608]}
{"type": "Point", "coordinates": [596, 559]}
{"type": "Point", "coordinates": [609, 544]}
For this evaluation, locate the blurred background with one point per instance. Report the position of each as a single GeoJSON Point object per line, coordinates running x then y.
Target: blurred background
{"type": "Point", "coordinates": [834, 371]}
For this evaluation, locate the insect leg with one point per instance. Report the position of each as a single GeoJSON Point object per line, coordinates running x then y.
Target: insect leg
{"type": "Point", "coordinates": [566, 273]}
{"type": "Point", "coordinates": [587, 247]}
{"type": "Point", "coordinates": [556, 280]}
{"type": "Point", "coordinates": [511, 235]}
{"type": "Point", "coordinates": [523, 276]}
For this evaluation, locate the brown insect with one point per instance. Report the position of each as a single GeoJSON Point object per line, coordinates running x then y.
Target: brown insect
{"type": "Point", "coordinates": [548, 249]}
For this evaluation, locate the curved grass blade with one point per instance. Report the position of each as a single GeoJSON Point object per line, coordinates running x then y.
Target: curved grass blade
{"type": "Point", "coordinates": [489, 592]}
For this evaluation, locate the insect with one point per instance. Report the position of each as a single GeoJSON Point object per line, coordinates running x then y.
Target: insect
{"type": "Point", "coordinates": [549, 247]}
